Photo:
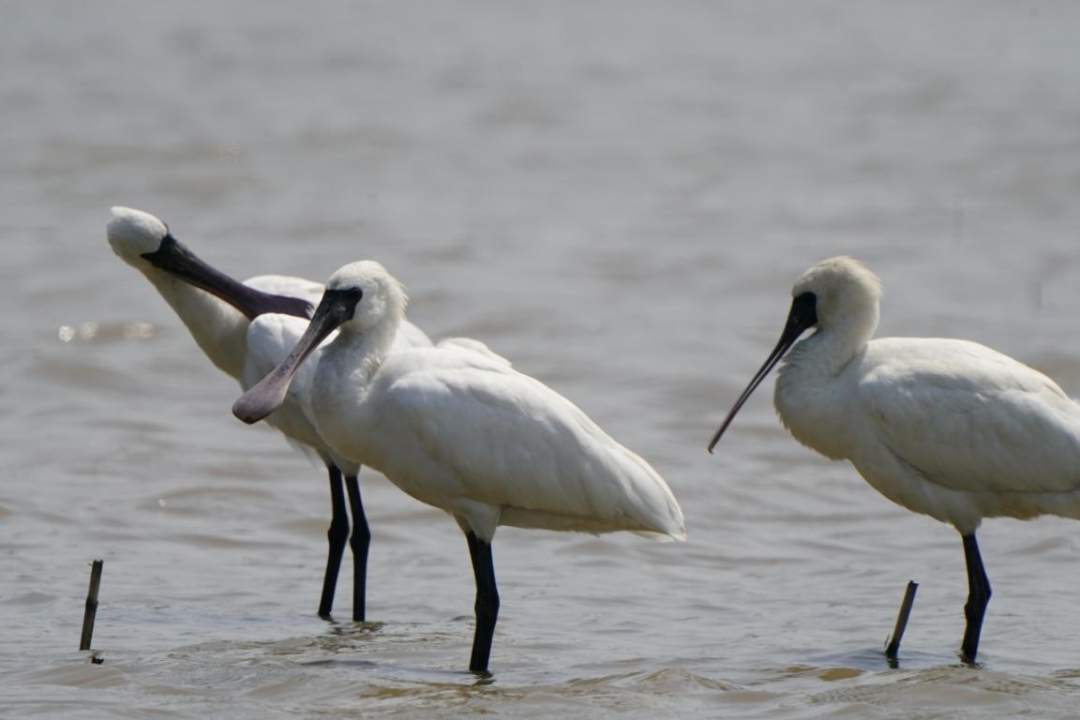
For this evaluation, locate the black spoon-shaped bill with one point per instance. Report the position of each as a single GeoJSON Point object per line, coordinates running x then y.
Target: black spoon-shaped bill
{"type": "Point", "coordinates": [175, 258]}
{"type": "Point", "coordinates": [269, 393]}
{"type": "Point", "coordinates": [803, 315]}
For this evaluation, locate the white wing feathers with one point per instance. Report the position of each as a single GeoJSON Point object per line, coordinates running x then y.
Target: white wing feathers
{"type": "Point", "coordinates": [516, 444]}
{"type": "Point", "coordinates": [475, 346]}
{"type": "Point", "coordinates": [288, 286]}
{"type": "Point", "coordinates": [969, 418]}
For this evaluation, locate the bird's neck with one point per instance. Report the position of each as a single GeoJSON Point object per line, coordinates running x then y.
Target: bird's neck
{"type": "Point", "coordinates": [218, 328]}
{"type": "Point", "coordinates": [812, 394]}
{"type": "Point", "coordinates": [342, 392]}
{"type": "Point", "coordinates": [833, 345]}
{"type": "Point", "coordinates": [361, 352]}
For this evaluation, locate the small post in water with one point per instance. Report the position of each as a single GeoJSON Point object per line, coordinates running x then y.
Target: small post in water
{"type": "Point", "coordinates": [91, 605]}
{"type": "Point", "coordinates": [901, 620]}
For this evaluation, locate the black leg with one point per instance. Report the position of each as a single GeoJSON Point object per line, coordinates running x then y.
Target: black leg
{"type": "Point", "coordinates": [338, 535]}
{"type": "Point", "coordinates": [978, 598]}
{"type": "Point", "coordinates": [360, 542]}
{"type": "Point", "coordinates": [487, 602]}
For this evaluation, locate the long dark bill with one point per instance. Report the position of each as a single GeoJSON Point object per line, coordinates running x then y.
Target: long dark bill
{"type": "Point", "coordinates": [174, 258]}
{"type": "Point", "coordinates": [803, 315]}
{"type": "Point", "coordinates": [268, 394]}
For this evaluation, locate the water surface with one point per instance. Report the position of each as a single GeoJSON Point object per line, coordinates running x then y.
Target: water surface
{"type": "Point", "coordinates": [616, 196]}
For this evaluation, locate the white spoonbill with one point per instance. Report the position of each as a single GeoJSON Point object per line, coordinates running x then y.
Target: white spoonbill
{"type": "Point", "coordinates": [946, 428]}
{"type": "Point", "coordinates": [456, 427]}
{"type": "Point", "coordinates": [222, 320]}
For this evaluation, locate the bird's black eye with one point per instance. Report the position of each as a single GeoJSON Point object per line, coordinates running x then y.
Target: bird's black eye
{"type": "Point", "coordinates": [350, 299]}
{"type": "Point", "coordinates": [167, 249]}
{"type": "Point", "coordinates": [804, 306]}
{"type": "Point", "coordinates": [340, 303]}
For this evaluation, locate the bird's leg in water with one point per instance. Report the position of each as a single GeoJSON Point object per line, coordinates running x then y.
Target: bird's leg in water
{"type": "Point", "coordinates": [978, 598]}
{"type": "Point", "coordinates": [337, 535]}
{"type": "Point", "coordinates": [360, 542]}
{"type": "Point", "coordinates": [487, 602]}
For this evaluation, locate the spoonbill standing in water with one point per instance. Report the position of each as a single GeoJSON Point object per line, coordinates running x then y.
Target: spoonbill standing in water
{"type": "Point", "coordinates": [946, 428]}
{"type": "Point", "coordinates": [221, 313]}
{"type": "Point", "coordinates": [456, 427]}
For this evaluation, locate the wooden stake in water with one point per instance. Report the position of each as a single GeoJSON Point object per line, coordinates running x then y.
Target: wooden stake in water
{"type": "Point", "coordinates": [901, 620]}
{"type": "Point", "coordinates": [91, 605]}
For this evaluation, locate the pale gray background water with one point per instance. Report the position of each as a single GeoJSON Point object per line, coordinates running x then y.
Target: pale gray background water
{"type": "Point", "coordinates": [617, 197]}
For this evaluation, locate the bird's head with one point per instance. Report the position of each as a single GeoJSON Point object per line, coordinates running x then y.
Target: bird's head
{"type": "Point", "coordinates": [836, 292]}
{"type": "Point", "coordinates": [133, 234]}
{"type": "Point", "coordinates": [360, 298]}
{"type": "Point", "coordinates": [144, 242]}
{"type": "Point", "coordinates": [839, 293]}
{"type": "Point", "coordinates": [365, 295]}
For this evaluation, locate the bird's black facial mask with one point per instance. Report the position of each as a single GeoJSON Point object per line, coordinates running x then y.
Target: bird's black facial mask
{"type": "Point", "coordinates": [803, 316]}
{"type": "Point", "coordinates": [174, 258]}
{"type": "Point", "coordinates": [336, 307]}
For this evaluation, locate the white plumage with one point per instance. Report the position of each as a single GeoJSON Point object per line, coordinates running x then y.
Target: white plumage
{"type": "Point", "coordinates": [465, 432]}
{"type": "Point", "coordinates": [946, 428]}
{"type": "Point", "coordinates": [268, 340]}
{"type": "Point", "coordinates": [960, 432]}
{"type": "Point", "coordinates": [209, 304]}
{"type": "Point", "coordinates": [457, 427]}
